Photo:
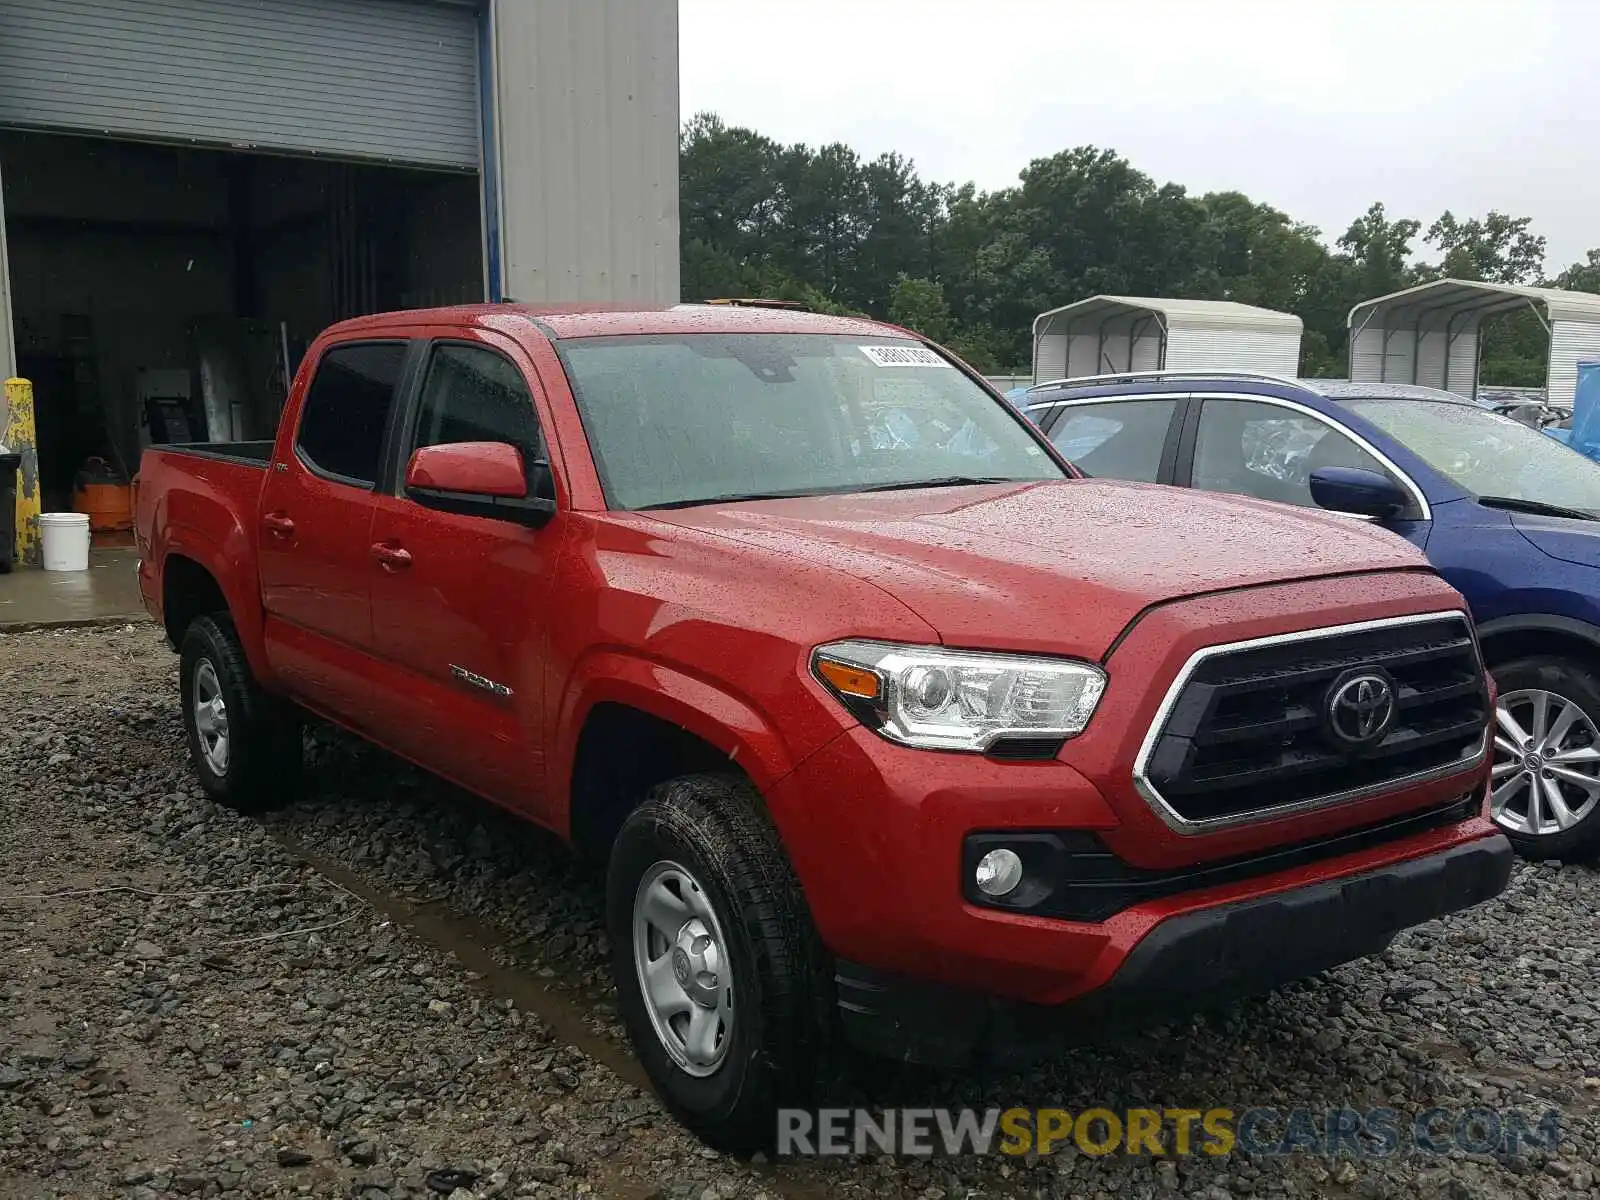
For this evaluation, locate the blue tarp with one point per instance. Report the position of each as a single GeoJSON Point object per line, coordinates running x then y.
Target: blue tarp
{"type": "Point", "coordinates": [1585, 436]}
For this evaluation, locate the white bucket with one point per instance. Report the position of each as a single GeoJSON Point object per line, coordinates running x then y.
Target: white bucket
{"type": "Point", "coordinates": [66, 541]}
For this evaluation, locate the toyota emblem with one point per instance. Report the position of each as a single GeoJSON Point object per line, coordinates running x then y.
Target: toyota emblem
{"type": "Point", "coordinates": [1360, 709]}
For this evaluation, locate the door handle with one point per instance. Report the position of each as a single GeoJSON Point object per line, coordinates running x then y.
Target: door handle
{"type": "Point", "coordinates": [391, 557]}
{"type": "Point", "coordinates": [279, 524]}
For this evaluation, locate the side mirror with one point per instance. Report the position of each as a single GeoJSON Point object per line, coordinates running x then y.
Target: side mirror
{"type": "Point", "coordinates": [1358, 491]}
{"type": "Point", "coordinates": [469, 469]}
{"type": "Point", "coordinates": [480, 479]}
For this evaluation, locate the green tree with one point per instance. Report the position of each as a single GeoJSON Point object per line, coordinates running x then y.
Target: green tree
{"type": "Point", "coordinates": [1377, 249]}
{"type": "Point", "coordinates": [1581, 277]}
{"type": "Point", "coordinates": [919, 305]}
{"type": "Point", "coordinates": [1258, 255]}
{"type": "Point", "coordinates": [1513, 347]}
{"type": "Point", "coordinates": [731, 206]}
{"type": "Point", "coordinates": [1496, 249]}
{"type": "Point", "coordinates": [899, 222]}
{"type": "Point", "coordinates": [760, 218]}
{"type": "Point", "coordinates": [972, 269]}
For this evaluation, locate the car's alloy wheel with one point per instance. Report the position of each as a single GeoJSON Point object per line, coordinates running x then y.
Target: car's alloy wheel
{"type": "Point", "coordinates": [1546, 774]}
{"type": "Point", "coordinates": [682, 959]}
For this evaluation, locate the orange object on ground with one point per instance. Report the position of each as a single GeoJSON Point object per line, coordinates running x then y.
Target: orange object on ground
{"type": "Point", "coordinates": [107, 500]}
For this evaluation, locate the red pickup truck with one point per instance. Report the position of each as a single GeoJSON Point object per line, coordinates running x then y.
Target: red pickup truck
{"type": "Point", "coordinates": [890, 729]}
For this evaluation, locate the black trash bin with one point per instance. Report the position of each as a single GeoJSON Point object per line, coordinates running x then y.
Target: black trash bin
{"type": "Point", "coordinates": [9, 466]}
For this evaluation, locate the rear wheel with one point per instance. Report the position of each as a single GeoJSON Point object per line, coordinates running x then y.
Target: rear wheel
{"type": "Point", "coordinates": [1546, 777]}
{"type": "Point", "coordinates": [714, 959]}
{"type": "Point", "coordinates": [245, 744]}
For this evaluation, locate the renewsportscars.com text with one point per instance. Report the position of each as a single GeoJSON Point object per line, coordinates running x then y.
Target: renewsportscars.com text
{"type": "Point", "coordinates": [1359, 1133]}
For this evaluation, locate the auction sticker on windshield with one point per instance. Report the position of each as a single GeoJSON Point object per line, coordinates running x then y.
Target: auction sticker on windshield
{"type": "Point", "coordinates": [903, 356]}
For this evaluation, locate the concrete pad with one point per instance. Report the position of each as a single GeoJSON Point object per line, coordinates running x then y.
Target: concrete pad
{"type": "Point", "coordinates": [107, 593]}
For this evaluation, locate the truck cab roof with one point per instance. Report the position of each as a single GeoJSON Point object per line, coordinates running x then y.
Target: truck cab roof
{"type": "Point", "coordinates": [563, 321]}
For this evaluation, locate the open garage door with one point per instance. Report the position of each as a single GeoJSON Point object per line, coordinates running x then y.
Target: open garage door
{"type": "Point", "coordinates": [387, 80]}
{"type": "Point", "coordinates": [165, 293]}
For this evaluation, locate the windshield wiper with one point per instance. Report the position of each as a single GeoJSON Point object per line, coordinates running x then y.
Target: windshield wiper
{"type": "Point", "coordinates": [942, 481]}
{"type": "Point", "coordinates": [846, 490]}
{"type": "Point", "coordinates": [1536, 507]}
{"type": "Point", "coordinates": [732, 498]}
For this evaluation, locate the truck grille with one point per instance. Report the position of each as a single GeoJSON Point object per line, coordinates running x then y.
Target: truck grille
{"type": "Point", "coordinates": [1251, 729]}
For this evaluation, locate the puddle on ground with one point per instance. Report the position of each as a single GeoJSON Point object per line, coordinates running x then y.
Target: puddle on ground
{"type": "Point", "coordinates": [472, 942]}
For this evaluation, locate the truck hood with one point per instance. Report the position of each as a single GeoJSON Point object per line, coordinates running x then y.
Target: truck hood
{"type": "Point", "coordinates": [1057, 567]}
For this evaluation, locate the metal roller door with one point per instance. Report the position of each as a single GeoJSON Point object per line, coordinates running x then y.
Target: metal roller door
{"type": "Point", "coordinates": [388, 80]}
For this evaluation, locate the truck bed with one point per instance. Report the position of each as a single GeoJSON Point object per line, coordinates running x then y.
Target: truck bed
{"type": "Point", "coordinates": [200, 499]}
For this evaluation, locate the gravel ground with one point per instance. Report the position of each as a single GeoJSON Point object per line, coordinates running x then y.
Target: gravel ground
{"type": "Point", "coordinates": [388, 981]}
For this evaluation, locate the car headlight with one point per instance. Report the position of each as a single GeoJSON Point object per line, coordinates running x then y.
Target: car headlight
{"type": "Point", "coordinates": [938, 699]}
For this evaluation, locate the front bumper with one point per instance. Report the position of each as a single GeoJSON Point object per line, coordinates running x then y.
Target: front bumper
{"type": "Point", "coordinates": [1188, 961]}
{"type": "Point", "coordinates": [876, 831]}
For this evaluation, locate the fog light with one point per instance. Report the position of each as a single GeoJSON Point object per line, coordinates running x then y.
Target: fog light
{"type": "Point", "coordinates": [998, 873]}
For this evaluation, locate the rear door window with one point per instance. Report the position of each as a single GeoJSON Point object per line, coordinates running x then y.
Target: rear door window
{"type": "Point", "coordinates": [1116, 440]}
{"type": "Point", "coordinates": [347, 410]}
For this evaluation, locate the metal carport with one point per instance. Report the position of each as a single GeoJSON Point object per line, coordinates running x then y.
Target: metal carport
{"type": "Point", "coordinates": [1428, 334]}
{"type": "Point", "coordinates": [1143, 333]}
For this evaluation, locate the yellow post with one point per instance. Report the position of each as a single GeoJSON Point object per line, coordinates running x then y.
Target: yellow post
{"type": "Point", "coordinates": [19, 437]}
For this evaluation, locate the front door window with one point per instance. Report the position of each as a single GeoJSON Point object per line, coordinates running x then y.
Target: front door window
{"type": "Point", "coordinates": [1253, 449]}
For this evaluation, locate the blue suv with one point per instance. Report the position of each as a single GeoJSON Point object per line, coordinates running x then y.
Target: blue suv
{"type": "Point", "coordinates": [1510, 517]}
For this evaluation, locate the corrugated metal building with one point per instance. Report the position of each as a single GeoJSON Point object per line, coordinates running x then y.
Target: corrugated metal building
{"type": "Point", "coordinates": [193, 188]}
{"type": "Point", "coordinates": [1106, 334]}
{"type": "Point", "coordinates": [1429, 334]}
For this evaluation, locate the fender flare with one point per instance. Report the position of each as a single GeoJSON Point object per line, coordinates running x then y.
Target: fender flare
{"type": "Point", "coordinates": [702, 707]}
{"type": "Point", "coordinates": [1541, 623]}
{"type": "Point", "coordinates": [189, 543]}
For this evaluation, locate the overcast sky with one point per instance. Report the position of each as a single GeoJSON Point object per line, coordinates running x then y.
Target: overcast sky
{"type": "Point", "coordinates": [1318, 107]}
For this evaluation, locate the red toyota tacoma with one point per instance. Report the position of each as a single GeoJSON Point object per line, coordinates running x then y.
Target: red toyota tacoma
{"type": "Point", "coordinates": [891, 730]}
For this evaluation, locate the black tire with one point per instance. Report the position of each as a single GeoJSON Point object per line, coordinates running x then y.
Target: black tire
{"type": "Point", "coordinates": [264, 756]}
{"type": "Point", "coordinates": [713, 826]}
{"type": "Point", "coordinates": [1576, 684]}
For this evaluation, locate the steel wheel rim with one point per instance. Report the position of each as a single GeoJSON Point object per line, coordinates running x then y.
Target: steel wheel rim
{"type": "Point", "coordinates": [685, 976]}
{"type": "Point", "coordinates": [1546, 773]}
{"type": "Point", "coordinates": [211, 717]}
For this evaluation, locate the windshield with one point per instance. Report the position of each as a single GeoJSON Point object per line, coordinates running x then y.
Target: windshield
{"type": "Point", "coordinates": [1487, 454]}
{"type": "Point", "coordinates": [688, 418]}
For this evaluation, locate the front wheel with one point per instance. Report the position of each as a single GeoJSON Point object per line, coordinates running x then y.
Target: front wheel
{"type": "Point", "coordinates": [1546, 777]}
{"type": "Point", "coordinates": [714, 959]}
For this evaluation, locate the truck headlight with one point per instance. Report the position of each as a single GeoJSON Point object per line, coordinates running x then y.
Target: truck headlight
{"type": "Point", "coordinates": [938, 699]}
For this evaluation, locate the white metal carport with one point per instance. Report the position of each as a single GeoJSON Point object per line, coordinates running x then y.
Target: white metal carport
{"type": "Point", "coordinates": [1105, 334]}
{"type": "Point", "coordinates": [1428, 334]}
